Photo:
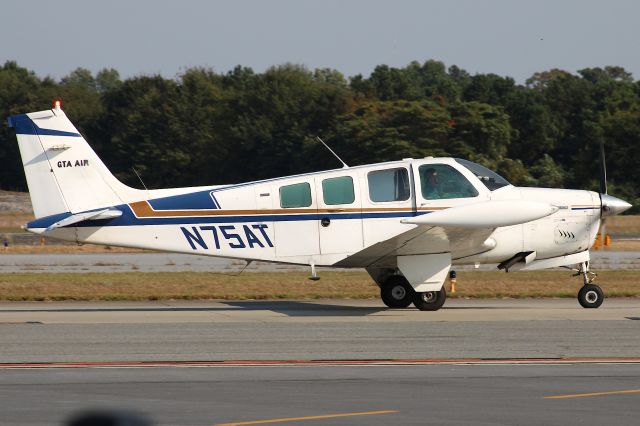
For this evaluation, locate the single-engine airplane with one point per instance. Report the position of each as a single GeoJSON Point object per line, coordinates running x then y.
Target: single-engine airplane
{"type": "Point", "coordinates": [406, 222]}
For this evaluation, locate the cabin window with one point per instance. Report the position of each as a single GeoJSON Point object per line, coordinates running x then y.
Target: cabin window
{"type": "Point", "coordinates": [297, 195]}
{"type": "Point", "coordinates": [389, 185]}
{"type": "Point", "coordinates": [338, 190]}
{"type": "Point", "coordinates": [440, 181]}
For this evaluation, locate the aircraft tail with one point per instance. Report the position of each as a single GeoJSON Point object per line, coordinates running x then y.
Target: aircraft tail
{"type": "Point", "coordinates": [63, 173]}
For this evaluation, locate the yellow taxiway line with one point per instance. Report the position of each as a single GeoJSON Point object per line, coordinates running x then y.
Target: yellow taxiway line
{"type": "Point", "coordinates": [293, 419]}
{"type": "Point", "coordinates": [581, 395]}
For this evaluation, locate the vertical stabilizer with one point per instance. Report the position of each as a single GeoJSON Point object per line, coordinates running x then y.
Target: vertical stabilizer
{"type": "Point", "coordinates": [63, 173]}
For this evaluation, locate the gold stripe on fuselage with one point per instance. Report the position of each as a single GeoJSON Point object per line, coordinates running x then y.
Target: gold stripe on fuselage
{"type": "Point", "coordinates": [142, 209]}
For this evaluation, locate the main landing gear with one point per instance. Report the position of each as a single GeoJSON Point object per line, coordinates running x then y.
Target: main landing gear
{"type": "Point", "coordinates": [429, 300]}
{"type": "Point", "coordinates": [396, 292]}
{"type": "Point", "coordinates": [590, 295]}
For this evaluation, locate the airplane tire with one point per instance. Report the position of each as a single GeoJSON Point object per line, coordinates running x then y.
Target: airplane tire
{"type": "Point", "coordinates": [590, 296]}
{"type": "Point", "coordinates": [430, 300]}
{"type": "Point", "coordinates": [396, 292]}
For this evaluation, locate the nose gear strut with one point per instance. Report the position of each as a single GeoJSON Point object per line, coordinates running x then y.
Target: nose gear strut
{"type": "Point", "coordinates": [590, 295]}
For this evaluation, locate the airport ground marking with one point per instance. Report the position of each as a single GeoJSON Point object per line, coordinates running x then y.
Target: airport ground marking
{"type": "Point", "coordinates": [320, 417]}
{"type": "Point", "coordinates": [582, 395]}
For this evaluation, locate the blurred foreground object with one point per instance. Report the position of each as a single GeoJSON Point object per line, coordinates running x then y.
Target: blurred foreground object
{"type": "Point", "coordinates": [108, 418]}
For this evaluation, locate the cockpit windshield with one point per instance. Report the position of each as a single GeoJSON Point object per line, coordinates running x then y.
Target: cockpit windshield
{"type": "Point", "coordinates": [489, 178]}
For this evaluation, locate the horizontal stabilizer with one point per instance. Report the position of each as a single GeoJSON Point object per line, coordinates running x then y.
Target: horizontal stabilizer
{"type": "Point", "coordinates": [488, 214]}
{"type": "Point", "coordinates": [81, 217]}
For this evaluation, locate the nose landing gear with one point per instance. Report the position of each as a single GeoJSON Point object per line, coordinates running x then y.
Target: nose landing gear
{"type": "Point", "coordinates": [590, 295]}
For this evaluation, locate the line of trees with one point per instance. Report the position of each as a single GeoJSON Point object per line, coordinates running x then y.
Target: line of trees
{"type": "Point", "coordinates": [204, 127]}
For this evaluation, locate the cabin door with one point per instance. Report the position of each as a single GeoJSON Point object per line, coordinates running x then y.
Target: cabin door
{"type": "Point", "coordinates": [295, 219]}
{"type": "Point", "coordinates": [339, 213]}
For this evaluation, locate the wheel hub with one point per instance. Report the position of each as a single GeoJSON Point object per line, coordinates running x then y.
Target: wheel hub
{"type": "Point", "coordinates": [591, 296]}
{"type": "Point", "coordinates": [398, 292]}
{"type": "Point", "coordinates": [429, 296]}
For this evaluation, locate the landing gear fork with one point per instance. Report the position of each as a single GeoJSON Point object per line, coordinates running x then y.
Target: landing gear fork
{"type": "Point", "coordinates": [590, 295]}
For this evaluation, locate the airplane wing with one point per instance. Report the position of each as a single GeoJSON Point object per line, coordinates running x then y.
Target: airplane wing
{"type": "Point", "coordinates": [421, 240]}
{"type": "Point", "coordinates": [460, 231]}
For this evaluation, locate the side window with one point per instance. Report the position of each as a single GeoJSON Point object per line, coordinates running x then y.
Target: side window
{"type": "Point", "coordinates": [440, 181]}
{"type": "Point", "coordinates": [297, 195]}
{"type": "Point", "coordinates": [389, 185]}
{"type": "Point", "coordinates": [338, 190]}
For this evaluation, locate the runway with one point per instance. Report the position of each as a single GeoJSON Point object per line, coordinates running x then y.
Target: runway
{"type": "Point", "coordinates": [210, 351]}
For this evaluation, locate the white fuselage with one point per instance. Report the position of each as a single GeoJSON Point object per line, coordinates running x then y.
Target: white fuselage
{"type": "Point", "coordinates": [321, 219]}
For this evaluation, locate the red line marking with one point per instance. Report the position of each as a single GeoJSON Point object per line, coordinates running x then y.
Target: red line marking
{"type": "Point", "coordinates": [283, 363]}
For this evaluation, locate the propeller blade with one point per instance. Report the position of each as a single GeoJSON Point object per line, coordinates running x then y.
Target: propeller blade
{"type": "Point", "coordinates": [603, 170]}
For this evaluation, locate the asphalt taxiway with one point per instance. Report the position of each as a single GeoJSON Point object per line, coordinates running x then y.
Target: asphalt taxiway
{"type": "Point", "coordinates": [594, 394]}
{"type": "Point", "coordinates": [328, 329]}
{"type": "Point", "coordinates": [328, 362]}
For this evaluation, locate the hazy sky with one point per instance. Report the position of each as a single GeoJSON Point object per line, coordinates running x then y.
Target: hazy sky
{"type": "Point", "coordinates": [506, 37]}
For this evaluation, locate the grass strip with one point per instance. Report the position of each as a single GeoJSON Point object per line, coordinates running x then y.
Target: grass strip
{"type": "Point", "coordinates": [288, 285]}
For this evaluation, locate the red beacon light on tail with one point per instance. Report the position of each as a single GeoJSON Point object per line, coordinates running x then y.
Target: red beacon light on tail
{"type": "Point", "coordinates": [57, 104]}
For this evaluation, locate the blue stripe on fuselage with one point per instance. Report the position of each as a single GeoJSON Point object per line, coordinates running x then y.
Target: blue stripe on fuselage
{"type": "Point", "coordinates": [129, 219]}
{"type": "Point", "coordinates": [201, 200]}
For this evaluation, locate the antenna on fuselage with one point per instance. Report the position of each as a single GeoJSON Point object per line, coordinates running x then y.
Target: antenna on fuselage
{"type": "Point", "coordinates": [344, 165]}
{"type": "Point", "coordinates": [139, 178]}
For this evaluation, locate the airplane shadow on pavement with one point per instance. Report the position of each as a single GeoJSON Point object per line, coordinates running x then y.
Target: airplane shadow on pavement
{"type": "Point", "coordinates": [289, 308]}
{"type": "Point", "coordinates": [306, 309]}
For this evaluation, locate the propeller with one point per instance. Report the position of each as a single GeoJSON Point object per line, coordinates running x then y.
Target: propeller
{"type": "Point", "coordinates": [603, 191]}
{"type": "Point", "coordinates": [610, 206]}
{"type": "Point", "coordinates": [603, 170]}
